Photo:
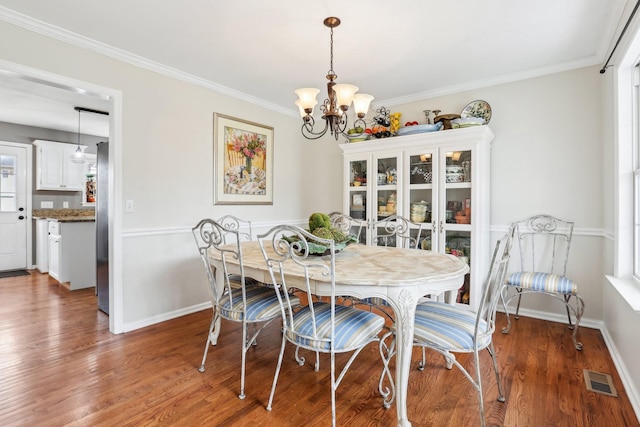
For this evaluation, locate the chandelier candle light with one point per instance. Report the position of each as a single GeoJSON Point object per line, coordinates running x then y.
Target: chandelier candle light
{"type": "Point", "coordinates": [335, 107]}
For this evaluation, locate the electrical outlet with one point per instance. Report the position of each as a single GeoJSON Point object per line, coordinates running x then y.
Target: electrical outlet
{"type": "Point", "coordinates": [46, 205]}
{"type": "Point", "coordinates": [128, 207]}
{"type": "Point", "coordinates": [65, 205]}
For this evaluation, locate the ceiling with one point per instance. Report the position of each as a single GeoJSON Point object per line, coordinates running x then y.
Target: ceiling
{"type": "Point", "coordinates": [262, 51]}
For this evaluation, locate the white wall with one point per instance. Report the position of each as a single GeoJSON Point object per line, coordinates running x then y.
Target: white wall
{"type": "Point", "coordinates": [546, 158]}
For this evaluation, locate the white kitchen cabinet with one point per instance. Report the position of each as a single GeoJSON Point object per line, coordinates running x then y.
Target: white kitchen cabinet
{"type": "Point", "coordinates": [54, 258]}
{"type": "Point", "coordinates": [42, 245]}
{"type": "Point", "coordinates": [72, 253]}
{"type": "Point", "coordinates": [443, 174]}
{"type": "Point", "coordinates": [54, 168]}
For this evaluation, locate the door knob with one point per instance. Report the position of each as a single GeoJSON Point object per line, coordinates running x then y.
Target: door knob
{"type": "Point", "coordinates": [21, 209]}
{"type": "Point", "coordinates": [21, 217]}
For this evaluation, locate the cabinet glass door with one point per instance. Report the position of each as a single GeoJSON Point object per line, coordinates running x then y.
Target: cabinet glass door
{"type": "Point", "coordinates": [422, 197]}
{"type": "Point", "coordinates": [386, 194]}
{"type": "Point", "coordinates": [358, 192]}
{"type": "Point", "coordinates": [456, 210]}
{"type": "Point", "coordinates": [386, 186]}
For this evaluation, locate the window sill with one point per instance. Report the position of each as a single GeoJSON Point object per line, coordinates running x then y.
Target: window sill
{"type": "Point", "coordinates": [629, 289]}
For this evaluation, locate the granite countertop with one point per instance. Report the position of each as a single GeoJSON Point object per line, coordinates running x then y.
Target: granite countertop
{"type": "Point", "coordinates": [64, 215]}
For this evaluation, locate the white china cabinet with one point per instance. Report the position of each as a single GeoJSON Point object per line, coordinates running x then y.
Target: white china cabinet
{"type": "Point", "coordinates": [54, 168]}
{"type": "Point", "coordinates": [439, 181]}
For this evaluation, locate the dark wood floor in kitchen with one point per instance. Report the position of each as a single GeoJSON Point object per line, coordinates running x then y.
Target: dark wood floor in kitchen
{"type": "Point", "coordinates": [59, 366]}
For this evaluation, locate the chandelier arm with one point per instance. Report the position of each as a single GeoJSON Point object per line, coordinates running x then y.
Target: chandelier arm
{"type": "Point", "coordinates": [307, 130]}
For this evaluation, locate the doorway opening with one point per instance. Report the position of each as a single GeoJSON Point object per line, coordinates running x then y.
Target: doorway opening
{"type": "Point", "coordinates": [59, 92]}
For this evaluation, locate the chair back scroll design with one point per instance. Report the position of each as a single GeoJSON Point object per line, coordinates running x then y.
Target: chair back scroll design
{"type": "Point", "coordinates": [544, 243]}
{"type": "Point", "coordinates": [320, 326]}
{"type": "Point", "coordinates": [396, 230]}
{"type": "Point", "coordinates": [347, 224]}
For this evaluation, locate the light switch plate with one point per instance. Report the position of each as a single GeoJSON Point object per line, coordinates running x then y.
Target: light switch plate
{"type": "Point", "coordinates": [65, 205]}
{"type": "Point", "coordinates": [46, 205]}
{"type": "Point", "coordinates": [128, 207]}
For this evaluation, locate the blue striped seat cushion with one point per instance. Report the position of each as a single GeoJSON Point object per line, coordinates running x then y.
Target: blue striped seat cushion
{"type": "Point", "coordinates": [262, 304]}
{"type": "Point", "coordinates": [543, 282]}
{"type": "Point", "coordinates": [353, 327]}
{"type": "Point", "coordinates": [448, 327]}
{"type": "Point", "coordinates": [375, 301]}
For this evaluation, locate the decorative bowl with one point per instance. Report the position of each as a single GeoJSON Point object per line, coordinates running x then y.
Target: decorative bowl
{"type": "Point", "coordinates": [410, 130]}
{"type": "Point", "coordinates": [316, 248]}
{"type": "Point", "coordinates": [455, 177]}
{"type": "Point", "coordinates": [467, 122]}
{"type": "Point", "coordinates": [358, 137]}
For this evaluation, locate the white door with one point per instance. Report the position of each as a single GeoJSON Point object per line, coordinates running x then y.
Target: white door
{"type": "Point", "coordinates": [13, 207]}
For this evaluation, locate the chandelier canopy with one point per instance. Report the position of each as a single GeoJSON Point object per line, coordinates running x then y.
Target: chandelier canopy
{"type": "Point", "coordinates": [335, 107]}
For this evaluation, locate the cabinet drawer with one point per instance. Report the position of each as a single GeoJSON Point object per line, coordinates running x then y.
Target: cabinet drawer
{"type": "Point", "coordinates": [54, 227]}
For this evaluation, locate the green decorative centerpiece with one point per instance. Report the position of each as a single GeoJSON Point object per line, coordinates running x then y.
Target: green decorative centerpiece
{"type": "Point", "coordinates": [320, 225]}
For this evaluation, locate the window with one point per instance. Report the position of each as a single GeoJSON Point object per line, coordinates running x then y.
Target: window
{"type": "Point", "coordinates": [636, 174]}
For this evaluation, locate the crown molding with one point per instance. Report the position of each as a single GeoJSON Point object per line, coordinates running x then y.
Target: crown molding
{"type": "Point", "coordinates": [12, 17]}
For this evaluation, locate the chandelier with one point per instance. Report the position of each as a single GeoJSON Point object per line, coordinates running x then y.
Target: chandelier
{"type": "Point", "coordinates": [334, 109]}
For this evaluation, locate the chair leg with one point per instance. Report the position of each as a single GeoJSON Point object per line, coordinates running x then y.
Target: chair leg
{"type": "Point", "coordinates": [333, 389]}
{"type": "Point", "coordinates": [505, 305]}
{"type": "Point", "coordinates": [566, 303]}
{"type": "Point", "coordinates": [275, 377]}
{"type": "Point", "coordinates": [386, 353]}
{"type": "Point", "coordinates": [209, 342]}
{"type": "Point", "coordinates": [478, 384]}
{"type": "Point", "coordinates": [492, 352]}
{"type": "Point", "coordinates": [579, 311]}
{"type": "Point", "coordinates": [517, 315]}
{"type": "Point", "coordinates": [423, 362]}
{"type": "Point", "coordinates": [245, 346]}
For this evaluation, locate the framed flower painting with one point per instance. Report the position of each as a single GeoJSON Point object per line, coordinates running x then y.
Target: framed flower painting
{"type": "Point", "coordinates": [243, 162]}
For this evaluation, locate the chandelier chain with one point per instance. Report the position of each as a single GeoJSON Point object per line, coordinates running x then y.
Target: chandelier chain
{"type": "Point", "coordinates": [331, 72]}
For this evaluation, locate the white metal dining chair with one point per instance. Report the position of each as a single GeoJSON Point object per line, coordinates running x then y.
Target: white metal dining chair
{"type": "Point", "coordinates": [544, 242]}
{"type": "Point", "coordinates": [396, 230]}
{"type": "Point", "coordinates": [347, 224]}
{"type": "Point", "coordinates": [238, 299]}
{"type": "Point", "coordinates": [321, 326]}
{"type": "Point", "coordinates": [455, 328]}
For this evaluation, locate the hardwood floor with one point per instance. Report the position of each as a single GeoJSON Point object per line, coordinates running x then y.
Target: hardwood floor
{"type": "Point", "coordinates": [60, 366]}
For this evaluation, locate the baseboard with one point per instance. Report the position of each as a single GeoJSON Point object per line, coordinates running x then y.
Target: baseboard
{"type": "Point", "coordinates": [142, 323]}
{"type": "Point", "coordinates": [629, 386]}
{"type": "Point", "coordinates": [555, 317]}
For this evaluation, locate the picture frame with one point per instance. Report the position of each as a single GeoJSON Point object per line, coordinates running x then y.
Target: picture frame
{"type": "Point", "coordinates": [242, 162]}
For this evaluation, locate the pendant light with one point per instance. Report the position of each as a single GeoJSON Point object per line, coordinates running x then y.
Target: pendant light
{"type": "Point", "coordinates": [78, 156]}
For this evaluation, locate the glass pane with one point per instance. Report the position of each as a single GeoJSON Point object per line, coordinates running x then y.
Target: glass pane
{"type": "Point", "coordinates": [458, 243]}
{"type": "Point", "coordinates": [458, 179]}
{"type": "Point", "coordinates": [8, 184]}
{"type": "Point", "coordinates": [358, 189]}
{"type": "Point", "coordinates": [636, 225]}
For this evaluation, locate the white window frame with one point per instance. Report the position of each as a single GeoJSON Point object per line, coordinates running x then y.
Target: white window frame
{"type": "Point", "coordinates": [626, 266]}
{"type": "Point", "coordinates": [635, 151]}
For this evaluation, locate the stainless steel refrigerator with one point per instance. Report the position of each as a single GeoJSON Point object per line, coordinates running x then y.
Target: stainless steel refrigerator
{"type": "Point", "coordinates": [102, 227]}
